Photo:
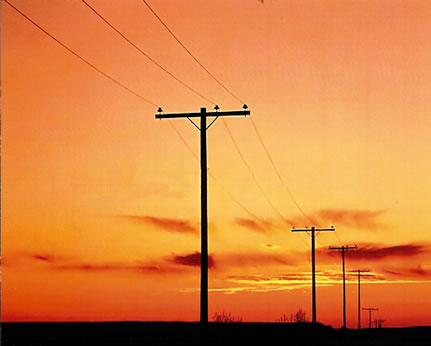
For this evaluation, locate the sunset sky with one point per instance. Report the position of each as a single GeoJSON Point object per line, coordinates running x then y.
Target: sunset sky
{"type": "Point", "coordinates": [100, 202]}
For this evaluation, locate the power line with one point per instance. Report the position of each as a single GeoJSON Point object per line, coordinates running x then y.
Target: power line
{"type": "Point", "coordinates": [80, 57]}
{"type": "Point", "coordinates": [251, 172]}
{"type": "Point", "coordinates": [152, 103]}
{"type": "Point", "coordinates": [221, 186]}
{"type": "Point", "coordinates": [279, 175]}
{"type": "Point", "coordinates": [145, 54]}
{"type": "Point", "coordinates": [134, 93]}
{"type": "Point", "coordinates": [190, 53]}
{"type": "Point", "coordinates": [183, 140]}
{"type": "Point", "coordinates": [237, 98]}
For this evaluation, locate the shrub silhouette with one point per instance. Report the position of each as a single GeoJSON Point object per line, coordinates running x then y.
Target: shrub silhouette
{"type": "Point", "coordinates": [298, 317]}
{"type": "Point", "coordinates": [226, 317]}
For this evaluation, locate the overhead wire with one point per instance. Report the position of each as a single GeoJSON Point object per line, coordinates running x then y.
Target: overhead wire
{"type": "Point", "coordinates": [70, 50]}
{"type": "Point", "coordinates": [301, 210]}
{"type": "Point", "coordinates": [313, 222]}
{"type": "Point", "coordinates": [244, 161]}
{"type": "Point", "coordinates": [145, 54]}
{"type": "Point", "coordinates": [190, 53]}
{"type": "Point", "coordinates": [226, 125]}
{"type": "Point", "coordinates": [221, 186]}
{"type": "Point", "coordinates": [226, 89]}
{"type": "Point", "coordinates": [134, 93]}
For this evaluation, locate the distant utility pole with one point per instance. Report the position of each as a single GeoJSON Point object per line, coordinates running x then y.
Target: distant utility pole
{"type": "Point", "coordinates": [378, 323]}
{"type": "Point", "coordinates": [343, 249]}
{"type": "Point", "coordinates": [203, 115]}
{"type": "Point", "coordinates": [313, 262]}
{"type": "Point", "coordinates": [369, 316]}
{"type": "Point", "coordinates": [359, 271]}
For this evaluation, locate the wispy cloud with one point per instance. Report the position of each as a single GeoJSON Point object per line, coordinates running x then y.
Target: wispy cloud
{"type": "Point", "coordinates": [52, 261]}
{"type": "Point", "coordinates": [362, 219]}
{"type": "Point", "coordinates": [255, 259]}
{"type": "Point", "coordinates": [270, 246]}
{"type": "Point", "coordinates": [110, 267]}
{"type": "Point", "coordinates": [285, 282]}
{"type": "Point", "coordinates": [418, 271]}
{"type": "Point", "coordinates": [378, 252]}
{"type": "Point", "coordinates": [193, 259]}
{"type": "Point", "coordinates": [165, 224]}
{"type": "Point", "coordinates": [254, 225]}
{"type": "Point", "coordinates": [359, 219]}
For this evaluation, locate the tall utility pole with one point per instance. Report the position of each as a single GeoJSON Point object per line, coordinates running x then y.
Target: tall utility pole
{"type": "Point", "coordinates": [313, 263]}
{"type": "Point", "coordinates": [203, 115]}
{"type": "Point", "coordinates": [359, 271]}
{"type": "Point", "coordinates": [343, 249]}
{"type": "Point", "coordinates": [369, 315]}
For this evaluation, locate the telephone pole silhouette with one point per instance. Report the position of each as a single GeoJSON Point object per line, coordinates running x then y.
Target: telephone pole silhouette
{"type": "Point", "coordinates": [359, 271]}
{"type": "Point", "coordinates": [369, 316]}
{"type": "Point", "coordinates": [343, 249]}
{"type": "Point", "coordinates": [378, 323]}
{"type": "Point", "coordinates": [203, 115]}
{"type": "Point", "coordinates": [313, 262]}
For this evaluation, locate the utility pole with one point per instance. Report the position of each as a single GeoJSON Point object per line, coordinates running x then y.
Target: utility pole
{"type": "Point", "coordinates": [313, 263]}
{"type": "Point", "coordinates": [203, 115]}
{"type": "Point", "coordinates": [359, 271]}
{"type": "Point", "coordinates": [378, 323]}
{"type": "Point", "coordinates": [369, 316]}
{"type": "Point", "coordinates": [343, 249]}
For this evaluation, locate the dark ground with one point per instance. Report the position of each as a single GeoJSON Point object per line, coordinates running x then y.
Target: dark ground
{"type": "Point", "coordinates": [181, 333]}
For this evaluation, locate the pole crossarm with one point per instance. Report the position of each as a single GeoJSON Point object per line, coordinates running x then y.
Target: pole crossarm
{"type": "Point", "coordinates": [315, 229]}
{"type": "Point", "coordinates": [199, 114]}
{"type": "Point", "coordinates": [358, 271]}
{"type": "Point", "coordinates": [342, 248]}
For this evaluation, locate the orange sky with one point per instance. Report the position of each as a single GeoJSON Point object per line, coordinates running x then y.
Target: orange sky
{"type": "Point", "coordinates": [101, 202]}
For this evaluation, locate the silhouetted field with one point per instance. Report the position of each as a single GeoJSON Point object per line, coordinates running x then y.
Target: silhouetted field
{"type": "Point", "coordinates": [182, 333]}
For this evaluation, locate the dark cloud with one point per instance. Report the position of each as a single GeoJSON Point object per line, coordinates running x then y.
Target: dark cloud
{"type": "Point", "coordinates": [418, 271]}
{"type": "Point", "coordinates": [271, 246]}
{"type": "Point", "coordinates": [42, 258]}
{"type": "Point", "coordinates": [57, 262]}
{"type": "Point", "coordinates": [372, 252]}
{"type": "Point", "coordinates": [46, 258]}
{"type": "Point", "coordinates": [166, 224]}
{"type": "Point", "coordinates": [193, 259]}
{"type": "Point", "coordinates": [102, 267]}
